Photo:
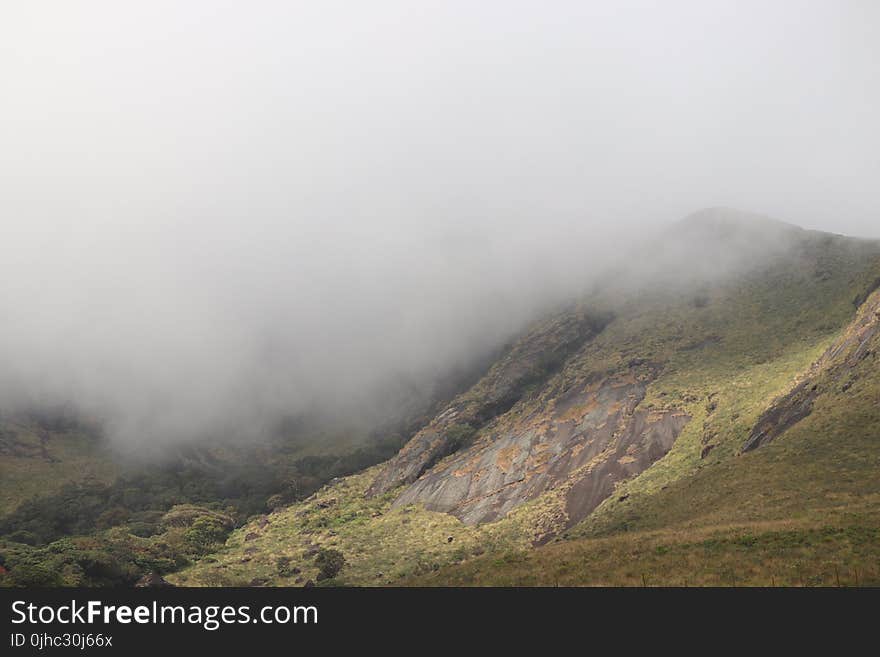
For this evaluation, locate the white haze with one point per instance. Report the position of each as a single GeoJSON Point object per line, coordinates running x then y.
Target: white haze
{"type": "Point", "coordinates": [215, 213]}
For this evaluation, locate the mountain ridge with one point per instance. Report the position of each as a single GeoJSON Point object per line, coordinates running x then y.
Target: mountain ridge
{"type": "Point", "coordinates": [718, 352]}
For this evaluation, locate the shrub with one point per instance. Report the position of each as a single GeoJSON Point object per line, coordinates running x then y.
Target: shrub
{"type": "Point", "coordinates": [33, 574]}
{"type": "Point", "coordinates": [459, 435]}
{"type": "Point", "coordinates": [142, 529]}
{"type": "Point", "coordinates": [330, 562]}
{"type": "Point", "coordinates": [205, 533]}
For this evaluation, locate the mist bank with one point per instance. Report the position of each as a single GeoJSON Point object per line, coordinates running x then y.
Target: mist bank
{"type": "Point", "coordinates": [194, 332]}
{"type": "Point", "coordinates": [198, 337]}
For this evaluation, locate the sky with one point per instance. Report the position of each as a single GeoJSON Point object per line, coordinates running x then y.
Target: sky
{"type": "Point", "coordinates": [212, 213]}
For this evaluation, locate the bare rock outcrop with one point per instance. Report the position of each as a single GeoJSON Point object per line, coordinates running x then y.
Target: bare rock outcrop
{"type": "Point", "coordinates": [587, 440]}
{"type": "Point", "coordinates": [530, 361]}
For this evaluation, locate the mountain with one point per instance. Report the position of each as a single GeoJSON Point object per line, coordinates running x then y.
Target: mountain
{"type": "Point", "coordinates": [707, 414]}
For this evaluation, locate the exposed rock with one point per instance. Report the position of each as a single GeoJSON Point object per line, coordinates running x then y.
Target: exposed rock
{"type": "Point", "coordinates": [782, 415]}
{"type": "Point", "coordinates": [588, 439]}
{"type": "Point", "coordinates": [531, 360]}
{"type": "Point", "coordinates": [833, 366]}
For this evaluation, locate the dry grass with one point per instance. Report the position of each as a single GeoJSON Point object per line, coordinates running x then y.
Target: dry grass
{"type": "Point", "coordinates": [784, 553]}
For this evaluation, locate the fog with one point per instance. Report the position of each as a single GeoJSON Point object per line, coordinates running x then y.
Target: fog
{"type": "Point", "coordinates": [217, 213]}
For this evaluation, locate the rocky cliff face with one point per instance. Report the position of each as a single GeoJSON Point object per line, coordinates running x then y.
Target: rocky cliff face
{"type": "Point", "coordinates": [587, 440]}
{"type": "Point", "coordinates": [527, 364]}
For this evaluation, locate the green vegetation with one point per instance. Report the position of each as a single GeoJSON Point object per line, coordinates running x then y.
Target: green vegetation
{"type": "Point", "coordinates": [116, 557]}
{"type": "Point", "coordinates": [145, 518]}
{"type": "Point", "coordinates": [460, 435]}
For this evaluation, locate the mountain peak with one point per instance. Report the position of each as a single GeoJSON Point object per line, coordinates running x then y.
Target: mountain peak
{"type": "Point", "coordinates": [730, 219]}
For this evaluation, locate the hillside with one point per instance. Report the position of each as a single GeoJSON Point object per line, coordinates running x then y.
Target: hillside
{"type": "Point", "coordinates": [38, 455]}
{"type": "Point", "coordinates": [75, 509]}
{"type": "Point", "coordinates": [708, 416]}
